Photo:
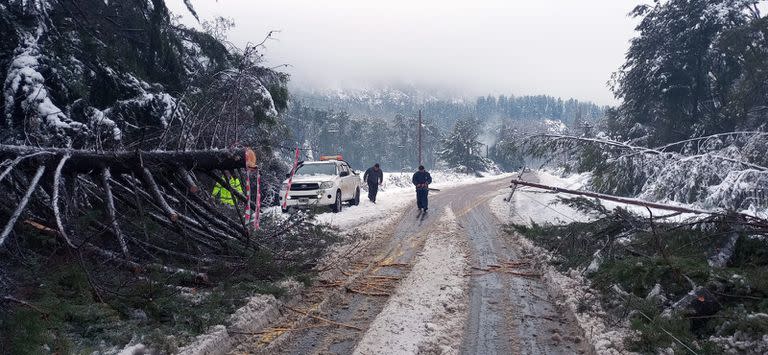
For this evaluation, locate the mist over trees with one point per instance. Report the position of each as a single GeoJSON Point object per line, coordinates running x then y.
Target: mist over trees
{"type": "Point", "coordinates": [362, 142]}
{"type": "Point", "coordinates": [380, 125]}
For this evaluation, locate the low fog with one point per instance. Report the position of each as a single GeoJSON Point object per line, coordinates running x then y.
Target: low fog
{"type": "Point", "coordinates": [558, 47]}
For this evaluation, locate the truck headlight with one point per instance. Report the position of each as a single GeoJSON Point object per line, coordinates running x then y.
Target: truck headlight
{"type": "Point", "coordinates": [284, 187]}
{"type": "Point", "coordinates": [326, 185]}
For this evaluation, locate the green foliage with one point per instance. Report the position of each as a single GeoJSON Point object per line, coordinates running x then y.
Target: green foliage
{"type": "Point", "coordinates": [75, 321]}
{"type": "Point", "coordinates": [736, 318]}
{"type": "Point", "coordinates": [279, 95]}
{"type": "Point", "coordinates": [23, 331]}
{"type": "Point", "coordinates": [696, 68]}
{"type": "Point", "coordinates": [63, 306]}
{"type": "Point", "coordinates": [462, 149]}
{"type": "Point", "coordinates": [163, 310]}
{"type": "Point", "coordinates": [654, 333]}
{"type": "Point", "coordinates": [636, 254]}
{"type": "Point", "coordinates": [638, 275]}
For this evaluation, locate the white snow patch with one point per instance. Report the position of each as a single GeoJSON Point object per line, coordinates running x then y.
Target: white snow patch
{"type": "Point", "coordinates": [135, 349]}
{"type": "Point", "coordinates": [427, 312]}
{"type": "Point", "coordinates": [255, 315]}
{"type": "Point", "coordinates": [532, 205]}
{"type": "Point", "coordinates": [555, 126]}
{"type": "Point", "coordinates": [529, 205]}
{"type": "Point", "coordinates": [742, 343]}
{"type": "Point", "coordinates": [24, 78]}
{"type": "Point", "coordinates": [98, 119]}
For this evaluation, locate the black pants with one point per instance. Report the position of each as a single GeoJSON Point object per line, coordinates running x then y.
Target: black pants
{"type": "Point", "coordinates": [421, 198]}
{"type": "Point", "coordinates": [373, 189]}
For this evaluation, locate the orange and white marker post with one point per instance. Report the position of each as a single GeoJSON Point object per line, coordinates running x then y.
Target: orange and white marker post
{"type": "Point", "coordinates": [257, 219]}
{"type": "Point", "coordinates": [250, 165]}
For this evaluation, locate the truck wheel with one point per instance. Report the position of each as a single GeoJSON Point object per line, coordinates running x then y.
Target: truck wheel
{"type": "Point", "coordinates": [336, 207]}
{"type": "Point", "coordinates": [356, 200]}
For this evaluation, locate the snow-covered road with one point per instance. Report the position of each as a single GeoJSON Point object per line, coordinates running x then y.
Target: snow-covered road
{"type": "Point", "coordinates": [449, 283]}
{"type": "Point", "coordinates": [395, 195]}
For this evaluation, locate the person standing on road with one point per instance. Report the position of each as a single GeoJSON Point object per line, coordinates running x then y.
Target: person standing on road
{"type": "Point", "coordinates": [374, 177]}
{"type": "Point", "coordinates": [421, 179]}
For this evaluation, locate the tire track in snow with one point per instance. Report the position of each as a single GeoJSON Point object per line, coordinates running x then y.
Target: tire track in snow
{"type": "Point", "coordinates": [510, 314]}
{"type": "Point", "coordinates": [398, 245]}
{"type": "Point", "coordinates": [427, 312]}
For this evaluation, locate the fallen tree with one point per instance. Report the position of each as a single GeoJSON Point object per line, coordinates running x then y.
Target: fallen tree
{"type": "Point", "coordinates": [694, 285]}
{"type": "Point", "coordinates": [118, 162]}
{"type": "Point", "coordinates": [627, 200]}
{"type": "Point", "coordinates": [161, 185]}
{"type": "Point", "coordinates": [107, 169]}
{"type": "Point", "coordinates": [754, 221]}
{"type": "Point", "coordinates": [723, 171]}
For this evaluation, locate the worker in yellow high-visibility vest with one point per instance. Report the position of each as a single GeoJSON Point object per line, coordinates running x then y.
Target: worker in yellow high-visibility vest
{"type": "Point", "coordinates": [224, 195]}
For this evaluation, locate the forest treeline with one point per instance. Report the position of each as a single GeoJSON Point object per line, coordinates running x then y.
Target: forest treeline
{"type": "Point", "coordinates": [368, 126]}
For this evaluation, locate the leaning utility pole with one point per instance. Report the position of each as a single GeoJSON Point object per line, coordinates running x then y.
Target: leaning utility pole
{"type": "Point", "coordinates": [420, 162]}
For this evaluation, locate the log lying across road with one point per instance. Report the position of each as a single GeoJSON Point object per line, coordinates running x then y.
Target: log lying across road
{"type": "Point", "coordinates": [83, 161]}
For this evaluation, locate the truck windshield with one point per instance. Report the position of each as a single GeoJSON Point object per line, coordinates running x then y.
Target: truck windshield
{"type": "Point", "coordinates": [316, 169]}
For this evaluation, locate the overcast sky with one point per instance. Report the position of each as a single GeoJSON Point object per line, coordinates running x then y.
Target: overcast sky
{"type": "Point", "coordinates": [566, 48]}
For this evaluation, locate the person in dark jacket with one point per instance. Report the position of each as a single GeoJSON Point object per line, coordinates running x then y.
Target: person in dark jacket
{"type": "Point", "coordinates": [374, 177]}
{"type": "Point", "coordinates": [421, 179]}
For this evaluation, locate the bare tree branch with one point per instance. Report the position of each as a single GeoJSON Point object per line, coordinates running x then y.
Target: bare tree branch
{"type": "Point", "coordinates": [23, 204]}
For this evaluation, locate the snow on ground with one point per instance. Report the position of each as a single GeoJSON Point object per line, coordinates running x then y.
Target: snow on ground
{"type": "Point", "coordinates": [572, 288]}
{"type": "Point", "coordinates": [541, 206]}
{"type": "Point", "coordinates": [133, 349]}
{"type": "Point", "coordinates": [395, 194]}
{"type": "Point", "coordinates": [531, 205]}
{"type": "Point", "coordinates": [427, 312]}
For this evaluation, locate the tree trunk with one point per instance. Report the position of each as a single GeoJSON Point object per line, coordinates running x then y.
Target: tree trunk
{"type": "Point", "coordinates": [84, 161]}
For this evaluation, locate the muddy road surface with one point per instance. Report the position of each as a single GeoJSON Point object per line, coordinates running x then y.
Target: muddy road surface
{"type": "Point", "coordinates": [511, 311]}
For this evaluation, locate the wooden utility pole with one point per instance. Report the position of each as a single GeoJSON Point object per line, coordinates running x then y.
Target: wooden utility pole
{"type": "Point", "coordinates": [420, 161]}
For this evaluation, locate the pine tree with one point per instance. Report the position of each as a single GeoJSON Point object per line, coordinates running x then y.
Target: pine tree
{"type": "Point", "coordinates": [691, 70]}
{"type": "Point", "coordinates": [462, 150]}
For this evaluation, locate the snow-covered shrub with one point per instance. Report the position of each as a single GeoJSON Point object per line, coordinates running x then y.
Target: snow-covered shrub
{"type": "Point", "coordinates": [721, 171]}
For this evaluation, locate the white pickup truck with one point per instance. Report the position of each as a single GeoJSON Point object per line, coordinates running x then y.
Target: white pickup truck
{"type": "Point", "coordinates": [328, 182]}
